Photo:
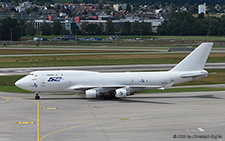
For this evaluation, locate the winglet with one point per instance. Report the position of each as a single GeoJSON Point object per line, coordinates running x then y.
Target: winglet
{"type": "Point", "coordinates": [196, 59]}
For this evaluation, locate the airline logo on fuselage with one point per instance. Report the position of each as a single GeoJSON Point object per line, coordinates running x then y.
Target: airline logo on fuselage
{"type": "Point", "coordinates": [54, 79]}
{"type": "Point", "coordinates": [34, 85]}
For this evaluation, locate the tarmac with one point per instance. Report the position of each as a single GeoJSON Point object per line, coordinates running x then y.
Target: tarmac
{"type": "Point", "coordinates": [142, 117]}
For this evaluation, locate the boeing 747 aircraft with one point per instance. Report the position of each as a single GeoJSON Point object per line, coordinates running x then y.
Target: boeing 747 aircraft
{"type": "Point", "coordinates": [95, 84]}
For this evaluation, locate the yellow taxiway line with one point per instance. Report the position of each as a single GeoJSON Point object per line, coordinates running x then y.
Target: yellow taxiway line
{"type": "Point", "coordinates": [25, 122]}
{"type": "Point", "coordinates": [38, 120]}
{"type": "Point", "coordinates": [7, 99]}
{"type": "Point", "coordinates": [77, 126]}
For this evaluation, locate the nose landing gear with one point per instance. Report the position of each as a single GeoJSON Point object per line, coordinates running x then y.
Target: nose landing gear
{"type": "Point", "coordinates": [37, 96]}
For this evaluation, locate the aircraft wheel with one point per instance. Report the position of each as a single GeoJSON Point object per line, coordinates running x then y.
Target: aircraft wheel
{"type": "Point", "coordinates": [37, 96]}
{"type": "Point", "coordinates": [109, 97]}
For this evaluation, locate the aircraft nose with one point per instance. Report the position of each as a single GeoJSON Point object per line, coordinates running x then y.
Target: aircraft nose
{"type": "Point", "coordinates": [20, 83]}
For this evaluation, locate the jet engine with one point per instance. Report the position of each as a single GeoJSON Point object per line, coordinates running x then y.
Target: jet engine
{"type": "Point", "coordinates": [122, 92]}
{"type": "Point", "coordinates": [92, 93]}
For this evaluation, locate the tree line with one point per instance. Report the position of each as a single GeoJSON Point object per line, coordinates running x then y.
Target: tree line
{"type": "Point", "coordinates": [13, 29]}
{"type": "Point", "coordinates": [178, 24]}
{"type": "Point", "coordinates": [126, 28]}
{"type": "Point", "coordinates": [177, 2]}
{"type": "Point", "coordinates": [183, 23]}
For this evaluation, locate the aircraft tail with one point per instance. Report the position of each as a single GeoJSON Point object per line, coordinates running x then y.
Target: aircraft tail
{"type": "Point", "coordinates": [196, 59]}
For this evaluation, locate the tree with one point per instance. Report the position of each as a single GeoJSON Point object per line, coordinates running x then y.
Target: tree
{"type": "Point", "coordinates": [179, 23]}
{"type": "Point", "coordinates": [57, 28]}
{"type": "Point", "coordinates": [222, 26]}
{"type": "Point", "coordinates": [99, 29]}
{"type": "Point", "coordinates": [120, 8]}
{"type": "Point", "coordinates": [83, 27]}
{"type": "Point", "coordinates": [128, 8]}
{"type": "Point", "coordinates": [1, 27]}
{"type": "Point", "coordinates": [29, 29]}
{"type": "Point", "coordinates": [135, 28]}
{"type": "Point", "coordinates": [10, 28]}
{"type": "Point", "coordinates": [109, 27]}
{"type": "Point", "coordinates": [187, 5]}
{"type": "Point", "coordinates": [145, 29]}
{"type": "Point", "coordinates": [199, 27]}
{"type": "Point", "coordinates": [193, 9]}
{"type": "Point", "coordinates": [90, 29]}
{"type": "Point", "coordinates": [21, 23]}
{"type": "Point", "coordinates": [170, 27]}
{"type": "Point", "coordinates": [45, 29]}
{"type": "Point", "coordinates": [201, 16]}
{"type": "Point", "coordinates": [213, 24]}
{"type": "Point", "coordinates": [125, 28]}
{"type": "Point", "coordinates": [75, 30]}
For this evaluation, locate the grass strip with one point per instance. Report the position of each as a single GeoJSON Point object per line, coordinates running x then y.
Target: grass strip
{"type": "Point", "coordinates": [14, 89]}
{"type": "Point", "coordinates": [109, 59]}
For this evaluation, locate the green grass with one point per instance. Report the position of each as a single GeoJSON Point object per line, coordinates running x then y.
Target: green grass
{"type": "Point", "coordinates": [7, 84]}
{"type": "Point", "coordinates": [79, 60]}
{"type": "Point", "coordinates": [9, 80]}
{"type": "Point", "coordinates": [201, 38]}
{"type": "Point", "coordinates": [8, 88]}
{"type": "Point", "coordinates": [84, 62]}
{"type": "Point", "coordinates": [39, 51]}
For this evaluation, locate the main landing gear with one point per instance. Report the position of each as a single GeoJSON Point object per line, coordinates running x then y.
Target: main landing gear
{"type": "Point", "coordinates": [37, 96]}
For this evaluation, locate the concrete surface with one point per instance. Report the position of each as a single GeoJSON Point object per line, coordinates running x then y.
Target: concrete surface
{"type": "Point", "coordinates": [142, 117]}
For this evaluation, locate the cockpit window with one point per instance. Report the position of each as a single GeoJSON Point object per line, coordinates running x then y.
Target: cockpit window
{"type": "Point", "coordinates": [31, 74]}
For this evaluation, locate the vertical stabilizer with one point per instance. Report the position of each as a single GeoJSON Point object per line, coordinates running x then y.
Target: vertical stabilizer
{"type": "Point", "coordinates": [196, 59]}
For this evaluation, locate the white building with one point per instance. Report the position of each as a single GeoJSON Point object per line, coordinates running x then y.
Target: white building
{"type": "Point", "coordinates": [116, 7]}
{"type": "Point", "coordinates": [202, 8]}
{"type": "Point", "coordinates": [62, 14]}
{"type": "Point", "coordinates": [154, 23]}
{"type": "Point", "coordinates": [23, 6]}
{"type": "Point", "coordinates": [37, 23]}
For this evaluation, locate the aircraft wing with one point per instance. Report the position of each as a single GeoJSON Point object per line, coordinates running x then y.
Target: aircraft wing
{"type": "Point", "coordinates": [83, 87]}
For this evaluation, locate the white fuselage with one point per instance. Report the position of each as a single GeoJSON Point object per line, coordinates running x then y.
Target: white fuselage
{"type": "Point", "coordinates": [66, 81]}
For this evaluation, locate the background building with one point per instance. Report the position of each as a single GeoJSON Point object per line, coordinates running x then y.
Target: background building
{"type": "Point", "coordinates": [202, 8]}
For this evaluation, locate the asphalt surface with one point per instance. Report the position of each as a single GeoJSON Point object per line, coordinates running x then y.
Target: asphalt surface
{"type": "Point", "coordinates": [104, 68]}
{"type": "Point", "coordinates": [148, 117]}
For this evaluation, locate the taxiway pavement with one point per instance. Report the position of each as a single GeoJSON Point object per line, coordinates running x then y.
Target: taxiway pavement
{"type": "Point", "coordinates": [157, 117]}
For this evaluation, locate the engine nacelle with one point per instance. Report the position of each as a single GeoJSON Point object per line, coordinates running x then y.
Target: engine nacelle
{"type": "Point", "coordinates": [122, 92]}
{"type": "Point", "coordinates": [92, 93]}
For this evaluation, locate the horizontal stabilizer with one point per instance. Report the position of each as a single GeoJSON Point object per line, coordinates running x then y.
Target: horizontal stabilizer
{"type": "Point", "coordinates": [202, 73]}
